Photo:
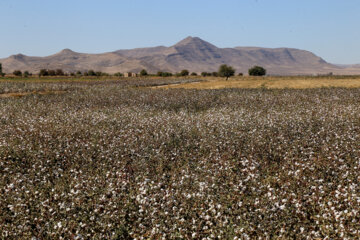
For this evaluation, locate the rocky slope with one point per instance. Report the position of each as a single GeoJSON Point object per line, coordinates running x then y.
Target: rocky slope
{"type": "Point", "coordinates": [192, 53]}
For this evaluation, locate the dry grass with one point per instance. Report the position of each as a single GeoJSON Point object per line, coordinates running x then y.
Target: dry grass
{"type": "Point", "coordinates": [197, 82]}
{"type": "Point", "coordinates": [272, 83]}
{"type": "Point", "coordinates": [22, 94]}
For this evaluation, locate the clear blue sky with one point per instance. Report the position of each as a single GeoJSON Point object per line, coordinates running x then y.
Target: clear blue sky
{"type": "Point", "coordinates": [329, 28]}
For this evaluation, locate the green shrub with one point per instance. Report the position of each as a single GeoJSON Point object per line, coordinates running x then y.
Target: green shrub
{"type": "Point", "coordinates": [257, 71]}
{"type": "Point", "coordinates": [184, 73]}
{"type": "Point", "coordinates": [143, 73]}
{"type": "Point", "coordinates": [226, 71]}
{"type": "Point", "coordinates": [17, 73]}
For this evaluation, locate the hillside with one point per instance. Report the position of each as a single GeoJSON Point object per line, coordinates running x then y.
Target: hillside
{"type": "Point", "coordinates": [192, 53]}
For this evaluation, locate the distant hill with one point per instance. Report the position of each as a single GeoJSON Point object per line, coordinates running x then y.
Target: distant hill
{"type": "Point", "coordinates": [348, 65]}
{"type": "Point", "coordinates": [192, 53]}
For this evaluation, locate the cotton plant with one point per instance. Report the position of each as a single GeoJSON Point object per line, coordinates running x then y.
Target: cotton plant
{"type": "Point", "coordinates": [117, 160]}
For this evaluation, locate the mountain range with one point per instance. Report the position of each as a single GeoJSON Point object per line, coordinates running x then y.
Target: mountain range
{"type": "Point", "coordinates": [192, 53]}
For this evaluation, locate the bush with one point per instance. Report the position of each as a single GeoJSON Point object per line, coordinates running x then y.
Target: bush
{"type": "Point", "coordinates": [17, 73]}
{"type": "Point", "coordinates": [226, 71]}
{"type": "Point", "coordinates": [143, 72]}
{"type": "Point", "coordinates": [164, 74]}
{"type": "Point", "coordinates": [240, 74]}
{"type": "Point", "coordinates": [204, 74]}
{"type": "Point", "coordinates": [43, 72]}
{"type": "Point", "coordinates": [215, 74]}
{"type": "Point", "coordinates": [118, 74]}
{"type": "Point", "coordinates": [184, 73]}
{"type": "Point", "coordinates": [59, 72]}
{"type": "Point", "coordinates": [52, 72]}
{"type": "Point", "coordinates": [2, 74]}
{"type": "Point", "coordinates": [167, 74]}
{"type": "Point", "coordinates": [193, 74]}
{"type": "Point", "coordinates": [257, 71]}
{"type": "Point", "coordinates": [91, 73]}
{"type": "Point", "coordinates": [27, 74]}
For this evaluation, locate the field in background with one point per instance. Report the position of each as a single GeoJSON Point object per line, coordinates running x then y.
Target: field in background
{"type": "Point", "coordinates": [197, 82]}
{"type": "Point", "coordinates": [17, 87]}
{"type": "Point", "coordinates": [118, 159]}
{"type": "Point", "coordinates": [272, 82]}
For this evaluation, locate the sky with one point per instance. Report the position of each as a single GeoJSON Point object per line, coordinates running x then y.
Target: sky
{"type": "Point", "coordinates": [328, 28]}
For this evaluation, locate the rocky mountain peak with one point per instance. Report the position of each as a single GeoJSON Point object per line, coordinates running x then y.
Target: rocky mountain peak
{"type": "Point", "coordinates": [195, 41]}
{"type": "Point", "coordinates": [66, 51]}
{"type": "Point", "coordinates": [18, 56]}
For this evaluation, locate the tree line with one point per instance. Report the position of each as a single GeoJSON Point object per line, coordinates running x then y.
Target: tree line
{"type": "Point", "coordinates": [224, 71]}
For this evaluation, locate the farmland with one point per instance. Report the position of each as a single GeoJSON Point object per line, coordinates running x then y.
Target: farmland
{"type": "Point", "coordinates": [121, 159]}
{"type": "Point", "coordinates": [272, 82]}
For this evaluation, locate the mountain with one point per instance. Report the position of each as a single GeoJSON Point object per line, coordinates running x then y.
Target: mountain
{"type": "Point", "coordinates": [191, 53]}
{"type": "Point", "coordinates": [348, 65]}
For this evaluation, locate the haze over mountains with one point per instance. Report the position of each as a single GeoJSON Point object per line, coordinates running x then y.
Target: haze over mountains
{"type": "Point", "coordinates": [192, 53]}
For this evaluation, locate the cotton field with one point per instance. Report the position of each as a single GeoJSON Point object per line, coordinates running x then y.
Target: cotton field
{"type": "Point", "coordinates": [118, 160]}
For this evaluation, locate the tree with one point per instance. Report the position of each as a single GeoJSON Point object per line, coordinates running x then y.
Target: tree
{"type": "Point", "coordinates": [43, 72]}
{"type": "Point", "coordinates": [51, 72]}
{"type": "Point", "coordinates": [240, 74]}
{"type": "Point", "coordinates": [215, 74]}
{"type": "Point", "coordinates": [78, 73]}
{"type": "Point", "coordinates": [118, 74]}
{"type": "Point", "coordinates": [184, 73]}
{"type": "Point", "coordinates": [226, 71]}
{"type": "Point", "coordinates": [59, 72]}
{"type": "Point", "coordinates": [91, 73]}
{"type": "Point", "coordinates": [166, 74]}
{"type": "Point", "coordinates": [257, 71]}
{"type": "Point", "coordinates": [26, 74]}
{"type": "Point", "coordinates": [143, 73]}
{"type": "Point", "coordinates": [17, 73]}
{"type": "Point", "coordinates": [1, 72]}
{"type": "Point", "coordinates": [204, 74]}
{"type": "Point", "coordinates": [193, 74]}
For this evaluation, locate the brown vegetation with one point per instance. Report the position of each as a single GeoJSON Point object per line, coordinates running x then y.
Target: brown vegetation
{"type": "Point", "coordinates": [272, 82]}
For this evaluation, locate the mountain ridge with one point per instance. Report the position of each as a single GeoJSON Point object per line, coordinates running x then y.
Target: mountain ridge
{"type": "Point", "coordinates": [191, 53]}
